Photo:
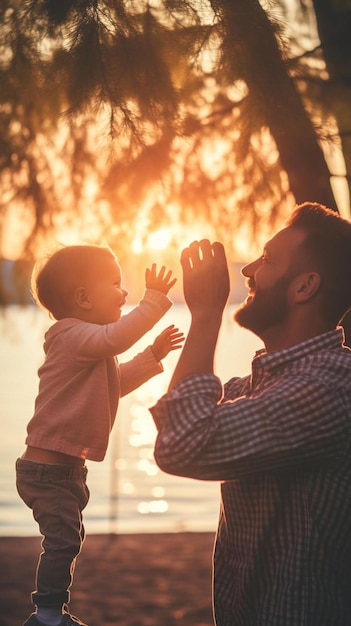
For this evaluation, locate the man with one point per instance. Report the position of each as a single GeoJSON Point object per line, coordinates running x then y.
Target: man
{"type": "Point", "coordinates": [278, 439]}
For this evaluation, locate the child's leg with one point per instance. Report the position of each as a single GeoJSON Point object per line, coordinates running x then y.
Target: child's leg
{"type": "Point", "coordinates": [57, 495]}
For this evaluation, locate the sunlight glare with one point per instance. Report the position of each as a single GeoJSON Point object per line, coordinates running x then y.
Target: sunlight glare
{"type": "Point", "coordinates": [128, 488]}
{"type": "Point", "coordinates": [158, 492]}
{"type": "Point", "coordinates": [154, 506]}
{"type": "Point", "coordinates": [150, 469]}
{"type": "Point", "coordinates": [159, 239]}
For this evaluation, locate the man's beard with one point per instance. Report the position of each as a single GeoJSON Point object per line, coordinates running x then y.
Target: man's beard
{"type": "Point", "coordinates": [269, 307]}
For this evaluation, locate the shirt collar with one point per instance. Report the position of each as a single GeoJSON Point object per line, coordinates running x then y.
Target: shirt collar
{"type": "Point", "coordinates": [330, 340]}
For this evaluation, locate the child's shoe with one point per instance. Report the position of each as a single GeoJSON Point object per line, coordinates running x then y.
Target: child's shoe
{"type": "Point", "coordinates": [67, 620]}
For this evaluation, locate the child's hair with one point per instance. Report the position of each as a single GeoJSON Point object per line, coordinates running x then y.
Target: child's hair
{"type": "Point", "coordinates": [56, 276]}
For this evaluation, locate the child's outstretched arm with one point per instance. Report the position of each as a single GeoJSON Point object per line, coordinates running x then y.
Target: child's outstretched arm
{"type": "Point", "coordinates": [140, 369]}
{"type": "Point", "coordinates": [159, 280]}
{"type": "Point", "coordinates": [170, 339]}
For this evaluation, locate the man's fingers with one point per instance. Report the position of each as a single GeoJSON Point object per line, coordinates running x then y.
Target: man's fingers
{"type": "Point", "coordinates": [193, 255]}
{"type": "Point", "coordinates": [185, 259]}
{"type": "Point", "coordinates": [218, 249]}
{"type": "Point", "coordinates": [201, 253]}
{"type": "Point", "coordinates": [219, 254]}
{"type": "Point", "coordinates": [205, 249]}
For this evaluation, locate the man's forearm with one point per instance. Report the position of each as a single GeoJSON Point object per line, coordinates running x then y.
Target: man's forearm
{"type": "Point", "coordinates": [206, 290]}
{"type": "Point", "coordinates": [197, 356]}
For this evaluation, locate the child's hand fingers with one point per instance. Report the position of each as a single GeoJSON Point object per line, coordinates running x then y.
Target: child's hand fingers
{"type": "Point", "coordinates": [150, 273]}
{"type": "Point", "coordinates": [176, 339]}
{"type": "Point", "coordinates": [161, 273]}
{"type": "Point", "coordinates": [170, 330]}
{"type": "Point", "coordinates": [161, 280]}
{"type": "Point", "coordinates": [168, 275]}
{"type": "Point", "coordinates": [177, 342]}
{"type": "Point", "coordinates": [169, 285]}
{"type": "Point", "coordinates": [176, 336]}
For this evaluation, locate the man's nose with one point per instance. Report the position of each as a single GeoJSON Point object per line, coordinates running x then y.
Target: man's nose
{"type": "Point", "coordinates": [250, 269]}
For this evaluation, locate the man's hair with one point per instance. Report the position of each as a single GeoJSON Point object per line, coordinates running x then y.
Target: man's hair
{"type": "Point", "coordinates": [55, 277]}
{"type": "Point", "coordinates": [328, 246]}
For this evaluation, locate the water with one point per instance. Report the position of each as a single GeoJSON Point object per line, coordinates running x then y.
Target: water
{"type": "Point", "coordinates": [129, 493]}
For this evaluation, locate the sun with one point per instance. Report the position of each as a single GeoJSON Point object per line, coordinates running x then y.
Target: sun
{"type": "Point", "coordinates": [156, 240]}
{"type": "Point", "coordinates": [159, 239]}
{"type": "Point", "coordinates": [169, 238]}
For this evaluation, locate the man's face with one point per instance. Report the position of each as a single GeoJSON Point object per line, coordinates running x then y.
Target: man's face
{"type": "Point", "coordinates": [268, 279]}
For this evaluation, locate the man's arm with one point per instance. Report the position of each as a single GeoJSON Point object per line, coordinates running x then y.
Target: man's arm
{"type": "Point", "coordinates": [206, 290]}
{"type": "Point", "coordinates": [286, 425]}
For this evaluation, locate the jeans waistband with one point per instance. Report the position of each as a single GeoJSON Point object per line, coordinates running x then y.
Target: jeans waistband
{"type": "Point", "coordinates": [38, 470]}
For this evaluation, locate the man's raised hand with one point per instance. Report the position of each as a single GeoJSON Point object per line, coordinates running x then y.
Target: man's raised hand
{"type": "Point", "coordinates": [205, 277]}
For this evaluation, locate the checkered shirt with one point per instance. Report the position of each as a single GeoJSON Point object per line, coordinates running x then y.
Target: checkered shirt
{"type": "Point", "coordinates": [280, 442]}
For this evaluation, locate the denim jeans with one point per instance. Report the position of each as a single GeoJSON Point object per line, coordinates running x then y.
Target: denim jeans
{"type": "Point", "coordinates": [57, 494]}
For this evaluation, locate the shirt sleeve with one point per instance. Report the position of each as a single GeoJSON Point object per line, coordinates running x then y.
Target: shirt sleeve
{"type": "Point", "coordinates": [203, 435]}
{"type": "Point", "coordinates": [93, 341]}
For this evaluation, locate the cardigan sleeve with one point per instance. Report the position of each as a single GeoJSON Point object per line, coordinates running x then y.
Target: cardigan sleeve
{"type": "Point", "coordinates": [138, 370]}
{"type": "Point", "coordinates": [89, 342]}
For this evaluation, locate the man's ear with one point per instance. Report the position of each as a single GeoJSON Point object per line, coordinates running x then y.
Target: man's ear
{"type": "Point", "coordinates": [82, 298]}
{"type": "Point", "coordinates": [306, 286]}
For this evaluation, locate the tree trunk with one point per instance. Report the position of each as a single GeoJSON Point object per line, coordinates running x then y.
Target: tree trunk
{"type": "Point", "coordinates": [334, 28]}
{"type": "Point", "coordinates": [265, 73]}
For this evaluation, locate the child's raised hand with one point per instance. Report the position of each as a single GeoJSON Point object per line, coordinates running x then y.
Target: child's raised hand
{"type": "Point", "coordinates": [170, 339]}
{"type": "Point", "coordinates": [160, 281]}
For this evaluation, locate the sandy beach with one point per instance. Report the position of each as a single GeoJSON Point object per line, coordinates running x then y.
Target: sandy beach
{"type": "Point", "coordinates": [134, 580]}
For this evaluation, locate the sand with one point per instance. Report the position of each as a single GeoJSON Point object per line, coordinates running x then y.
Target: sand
{"type": "Point", "coordinates": [134, 580]}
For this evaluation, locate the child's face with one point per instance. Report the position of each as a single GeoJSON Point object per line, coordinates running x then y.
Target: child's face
{"type": "Point", "coordinates": [105, 291]}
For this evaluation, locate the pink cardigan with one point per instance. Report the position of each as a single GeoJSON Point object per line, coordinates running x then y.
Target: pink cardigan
{"type": "Point", "coordinates": [81, 381]}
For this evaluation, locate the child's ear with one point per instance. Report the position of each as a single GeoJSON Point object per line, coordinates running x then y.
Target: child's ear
{"type": "Point", "coordinates": [82, 298]}
{"type": "Point", "coordinates": [306, 286]}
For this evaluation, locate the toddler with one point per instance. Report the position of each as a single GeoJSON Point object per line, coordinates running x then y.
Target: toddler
{"type": "Point", "coordinates": [80, 383]}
